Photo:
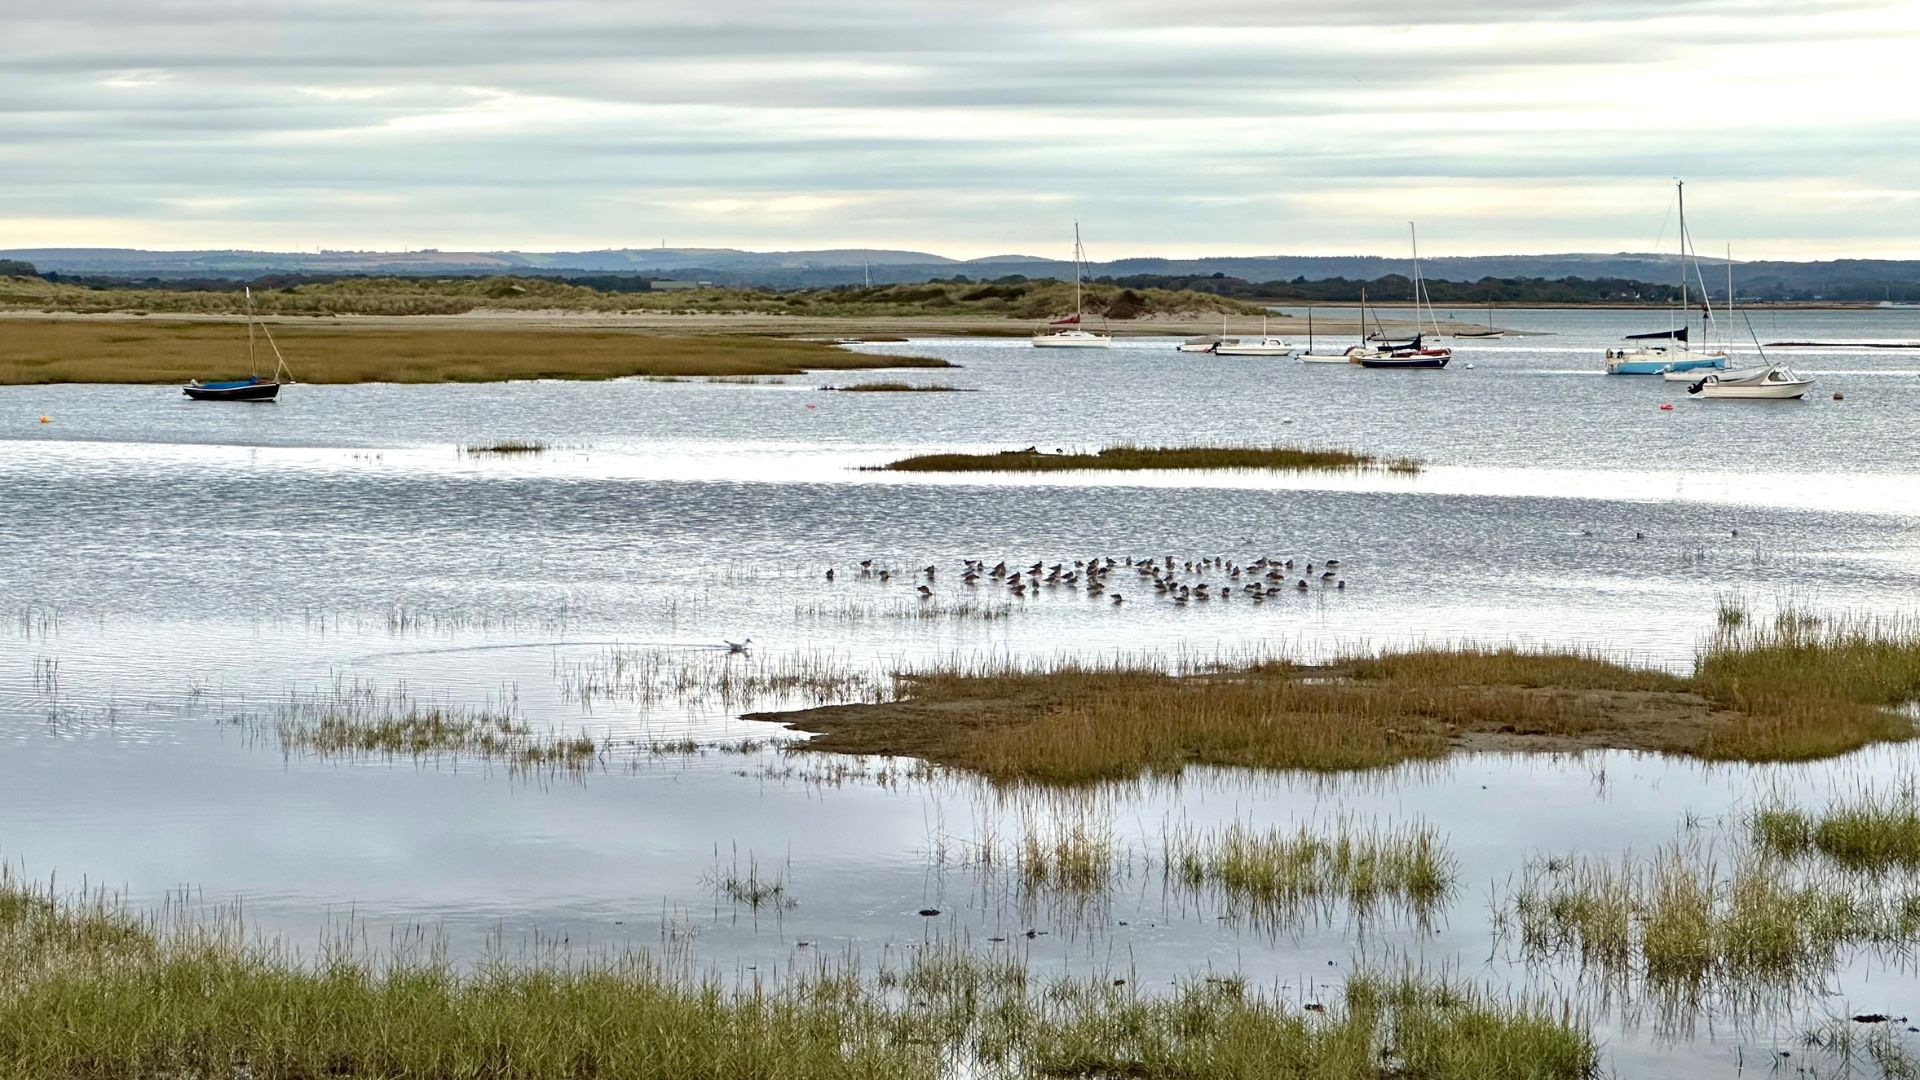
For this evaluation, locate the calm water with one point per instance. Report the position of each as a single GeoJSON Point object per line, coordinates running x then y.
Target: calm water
{"type": "Point", "coordinates": [173, 572]}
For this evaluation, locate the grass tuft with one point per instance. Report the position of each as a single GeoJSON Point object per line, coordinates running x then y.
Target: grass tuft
{"type": "Point", "coordinates": [1149, 457]}
{"type": "Point", "coordinates": [1272, 874]}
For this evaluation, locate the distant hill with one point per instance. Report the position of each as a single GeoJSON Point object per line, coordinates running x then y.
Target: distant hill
{"type": "Point", "coordinates": [1846, 279]}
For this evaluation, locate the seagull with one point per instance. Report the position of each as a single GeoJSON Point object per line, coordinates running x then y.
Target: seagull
{"type": "Point", "coordinates": [738, 646]}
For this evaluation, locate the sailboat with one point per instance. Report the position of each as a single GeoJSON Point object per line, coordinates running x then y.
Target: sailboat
{"type": "Point", "coordinates": [1491, 333]}
{"type": "Point", "coordinates": [1639, 359]}
{"type": "Point", "coordinates": [1266, 346]}
{"type": "Point", "coordinates": [252, 388]}
{"type": "Point", "coordinates": [1344, 357]}
{"type": "Point", "coordinates": [1066, 333]}
{"type": "Point", "coordinates": [1412, 352]}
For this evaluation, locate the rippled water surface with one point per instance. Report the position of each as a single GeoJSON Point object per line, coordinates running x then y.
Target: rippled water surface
{"type": "Point", "coordinates": [174, 574]}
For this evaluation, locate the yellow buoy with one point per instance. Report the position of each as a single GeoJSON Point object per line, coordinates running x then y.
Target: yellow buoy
{"type": "Point", "coordinates": [46, 419]}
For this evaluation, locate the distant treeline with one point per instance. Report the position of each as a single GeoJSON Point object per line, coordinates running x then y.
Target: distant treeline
{"type": "Point", "coordinates": [1021, 299]}
{"type": "Point", "coordinates": [606, 283]}
{"type": "Point", "coordinates": [1393, 288]}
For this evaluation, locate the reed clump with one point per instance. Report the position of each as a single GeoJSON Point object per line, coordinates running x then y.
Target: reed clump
{"type": "Point", "coordinates": [358, 719]}
{"type": "Point", "coordinates": [1870, 832]}
{"type": "Point", "coordinates": [1075, 857]}
{"type": "Point", "coordinates": [507, 446]}
{"type": "Point", "coordinates": [893, 388]}
{"type": "Point", "coordinates": [1382, 1026]}
{"type": "Point", "coordinates": [94, 990]}
{"type": "Point", "coordinates": [90, 351]}
{"type": "Point", "coordinates": [1684, 919]}
{"type": "Point", "coordinates": [1128, 458]}
{"type": "Point", "coordinates": [1275, 872]}
{"type": "Point", "coordinates": [1804, 686]}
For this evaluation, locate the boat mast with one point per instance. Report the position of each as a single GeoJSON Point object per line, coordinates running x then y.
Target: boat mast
{"type": "Point", "coordinates": [1076, 274]}
{"type": "Point", "coordinates": [253, 365]}
{"type": "Point", "coordinates": [1420, 287]}
{"type": "Point", "coordinates": [1680, 193]}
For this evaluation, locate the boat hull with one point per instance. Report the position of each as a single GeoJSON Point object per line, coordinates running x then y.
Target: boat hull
{"type": "Point", "coordinates": [1405, 361]}
{"type": "Point", "coordinates": [1662, 363]}
{"type": "Point", "coordinates": [1772, 384]}
{"type": "Point", "coordinates": [1078, 340]}
{"type": "Point", "coordinates": [1311, 358]}
{"type": "Point", "coordinates": [1255, 350]}
{"type": "Point", "coordinates": [257, 391]}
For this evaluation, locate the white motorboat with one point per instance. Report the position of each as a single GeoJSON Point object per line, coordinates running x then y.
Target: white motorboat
{"type": "Point", "coordinates": [1775, 382]}
{"type": "Point", "coordinates": [1199, 344]}
{"type": "Point", "coordinates": [1066, 333]}
{"type": "Point", "coordinates": [1264, 346]}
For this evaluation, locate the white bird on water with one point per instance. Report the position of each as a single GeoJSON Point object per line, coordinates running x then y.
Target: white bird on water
{"type": "Point", "coordinates": [738, 646]}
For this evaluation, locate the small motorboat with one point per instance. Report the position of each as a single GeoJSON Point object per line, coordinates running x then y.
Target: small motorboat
{"type": "Point", "coordinates": [1198, 345]}
{"type": "Point", "coordinates": [1266, 346]}
{"type": "Point", "coordinates": [1776, 382]}
{"type": "Point", "coordinates": [254, 388]}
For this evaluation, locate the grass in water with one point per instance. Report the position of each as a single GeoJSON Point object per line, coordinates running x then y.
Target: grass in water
{"type": "Point", "coordinates": [893, 388]}
{"type": "Point", "coordinates": [508, 446]}
{"type": "Point", "coordinates": [1275, 872]}
{"type": "Point", "coordinates": [1685, 920]}
{"type": "Point", "coordinates": [356, 719]}
{"type": "Point", "coordinates": [1870, 832]}
{"type": "Point", "coordinates": [1150, 457]}
{"type": "Point", "coordinates": [95, 990]}
{"type": "Point", "coordinates": [42, 351]}
{"type": "Point", "coordinates": [1781, 693]}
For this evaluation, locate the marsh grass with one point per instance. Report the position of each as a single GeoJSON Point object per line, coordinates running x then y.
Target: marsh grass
{"type": "Point", "coordinates": [650, 675]}
{"type": "Point", "coordinates": [1074, 856]}
{"type": "Point", "coordinates": [852, 611]}
{"type": "Point", "coordinates": [1809, 686]}
{"type": "Point", "coordinates": [1690, 921]}
{"type": "Point", "coordinates": [893, 388]}
{"type": "Point", "coordinates": [753, 887]}
{"type": "Point", "coordinates": [1274, 873]}
{"type": "Point", "coordinates": [1851, 1046]}
{"type": "Point", "coordinates": [357, 719]}
{"type": "Point", "coordinates": [95, 990]}
{"type": "Point", "coordinates": [1795, 689]}
{"type": "Point", "coordinates": [1869, 832]}
{"type": "Point", "coordinates": [88, 351]}
{"type": "Point", "coordinates": [507, 446]}
{"type": "Point", "coordinates": [1149, 457]}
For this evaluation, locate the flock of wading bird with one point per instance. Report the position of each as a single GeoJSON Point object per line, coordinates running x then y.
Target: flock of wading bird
{"type": "Point", "coordinates": [1181, 582]}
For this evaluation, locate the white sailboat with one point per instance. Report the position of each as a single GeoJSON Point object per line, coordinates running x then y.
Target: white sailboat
{"type": "Point", "coordinates": [1673, 356]}
{"type": "Point", "coordinates": [1311, 357]}
{"type": "Point", "coordinates": [1066, 333]}
{"type": "Point", "coordinates": [1266, 346]}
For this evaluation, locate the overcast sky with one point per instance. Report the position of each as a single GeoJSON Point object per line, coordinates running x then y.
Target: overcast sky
{"type": "Point", "coordinates": [963, 127]}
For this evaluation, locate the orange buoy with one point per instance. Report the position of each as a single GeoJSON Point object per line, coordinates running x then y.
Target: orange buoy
{"type": "Point", "coordinates": [1666, 406]}
{"type": "Point", "coordinates": [46, 419]}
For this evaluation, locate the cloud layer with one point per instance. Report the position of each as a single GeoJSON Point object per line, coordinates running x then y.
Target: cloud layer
{"type": "Point", "coordinates": [1232, 127]}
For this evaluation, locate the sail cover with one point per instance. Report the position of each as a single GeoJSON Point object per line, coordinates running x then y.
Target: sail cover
{"type": "Point", "coordinates": [1677, 335]}
{"type": "Point", "coordinates": [1071, 320]}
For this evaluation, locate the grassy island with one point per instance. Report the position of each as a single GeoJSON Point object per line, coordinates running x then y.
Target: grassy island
{"type": "Point", "coordinates": [40, 351]}
{"type": "Point", "coordinates": [1782, 693]}
{"type": "Point", "coordinates": [1129, 458]}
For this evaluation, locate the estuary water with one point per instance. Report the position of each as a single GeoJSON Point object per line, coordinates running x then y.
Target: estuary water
{"type": "Point", "coordinates": [177, 576]}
